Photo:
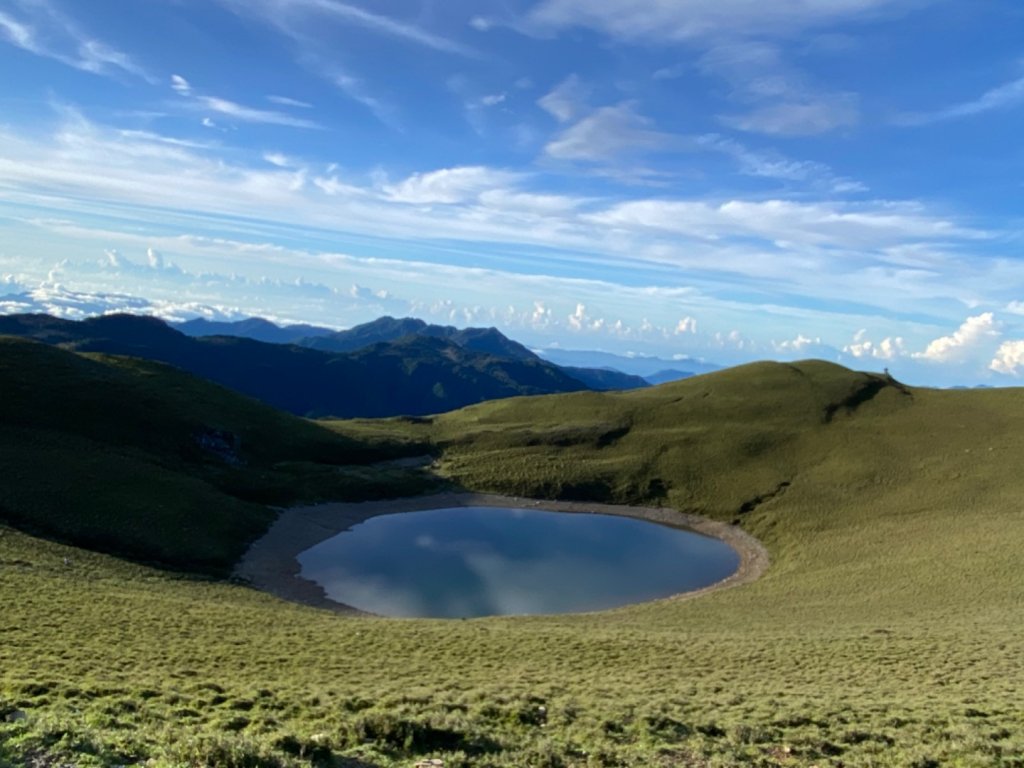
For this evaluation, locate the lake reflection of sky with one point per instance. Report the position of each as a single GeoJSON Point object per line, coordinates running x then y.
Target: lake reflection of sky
{"type": "Point", "coordinates": [482, 561]}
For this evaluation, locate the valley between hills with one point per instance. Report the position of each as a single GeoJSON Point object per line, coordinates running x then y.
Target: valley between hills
{"type": "Point", "coordinates": [885, 630]}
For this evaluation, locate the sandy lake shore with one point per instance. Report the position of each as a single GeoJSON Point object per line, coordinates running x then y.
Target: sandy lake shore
{"type": "Point", "coordinates": [271, 563]}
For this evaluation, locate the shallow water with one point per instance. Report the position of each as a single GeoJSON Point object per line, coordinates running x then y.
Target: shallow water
{"type": "Point", "coordinates": [485, 561]}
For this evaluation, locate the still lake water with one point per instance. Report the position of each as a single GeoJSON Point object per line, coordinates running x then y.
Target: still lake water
{"type": "Point", "coordinates": [486, 561]}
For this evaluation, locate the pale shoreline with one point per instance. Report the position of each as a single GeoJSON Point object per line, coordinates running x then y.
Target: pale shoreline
{"type": "Point", "coordinates": [271, 563]}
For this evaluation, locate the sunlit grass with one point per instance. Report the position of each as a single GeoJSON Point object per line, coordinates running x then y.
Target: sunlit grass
{"type": "Point", "coordinates": [887, 631]}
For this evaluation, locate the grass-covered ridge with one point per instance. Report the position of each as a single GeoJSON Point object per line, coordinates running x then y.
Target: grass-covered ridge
{"type": "Point", "coordinates": [143, 460]}
{"type": "Point", "coordinates": [887, 631]}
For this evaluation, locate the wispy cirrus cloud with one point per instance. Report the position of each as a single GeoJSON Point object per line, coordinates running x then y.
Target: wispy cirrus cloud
{"type": "Point", "coordinates": [774, 165]}
{"type": "Point", "coordinates": [567, 101]}
{"type": "Point", "coordinates": [805, 117]}
{"type": "Point", "coordinates": [786, 222]}
{"type": "Point", "coordinates": [661, 20]}
{"type": "Point", "coordinates": [246, 114]}
{"type": "Point", "coordinates": [450, 185]}
{"type": "Point", "coordinates": [606, 134]}
{"type": "Point", "coordinates": [307, 18]}
{"type": "Point", "coordinates": [287, 101]}
{"type": "Point", "coordinates": [200, 102]}
{"type": "Point", "coordinates": [1005, 96]}
{"type": "Point", "coordinates": [816, 250]}
{"type": "Point", "coordinates": [357, 90]}
{"type": "Point", "coordinates": [738, 40]}
{"type": "Point", "coordinates": [41, 29]}
{"type": "Point", "coordinates": [313, 26]}
{"type": "Point", "coordinates": [777, 98]}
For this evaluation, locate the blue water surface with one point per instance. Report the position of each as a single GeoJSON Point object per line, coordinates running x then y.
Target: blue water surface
{"type": "Point", "coordinates": [486, 561]}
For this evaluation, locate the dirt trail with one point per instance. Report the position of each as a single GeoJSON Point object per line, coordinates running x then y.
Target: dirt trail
{"type": "Point", "coordinates": [271, 564]}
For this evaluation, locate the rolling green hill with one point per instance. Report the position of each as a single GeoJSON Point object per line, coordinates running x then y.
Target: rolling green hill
{"type": "Point", "coordinates": [886, 632]}
{"type": "Point", "coordinates": [143, 460]}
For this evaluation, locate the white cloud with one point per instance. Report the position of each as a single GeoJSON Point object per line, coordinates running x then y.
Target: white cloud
{"type": "Point", "coordinates": [1002, 97]}
{"type": "Point", "coordinates": [812, 249]}
{"type": "Point", "coordinates": [772, 165]}
{"type": "Point", "coordinates": [356, 90]}
{"type": "Point", "coordinates": [99, 58]}
{"type": "Point", "coordinates": [9, 285]}
{"type": "Point", "coordinates": [332, 186]}
{"type": "Point", "coordinates": [286, 101]}
{"type": "Point", "coordinates": [778, 98]}
{"type": "Point", "coordinates": [889, 348]}
{"type": "Point", "coordinates": [118, 262]}
{"type": "Point", "coordinates": [541, 316]}
{"type": "Point", "coordinates": [799, 118]}
{"type": "Point", "coordinates": [303, 18]}
{"type": "Point", "coordinates": [260, 279]}
{"type": "Point", "coordinates": [18, 34]}
{"type": "Point", "coordinates": [800, 344]}
{"type": "Point", "coordinates": [369, 295]}
{"type": "Point", "coordinates": [60, 301]}
{"type": "Point", "coordinates": [567, 100]}
{"type": "Point", "coordinates": [665, 20]}
{"type": "Point", "coordinates": [115, 259]}
{"type": "Point", "coordinates": [733, 340]}
{"type": "Point", "coordinates": [579, 320]}
{"type": "Point", "coordinates": [671, 73]}
{"type": "Point", "coordinates": [685, 325]}
{"type": "Point", "coordinates": [181, 85]}
{"type": "Point", "coordinates": [492, 100]}
{"type": "Point", "coordinates": [782, 221]}
{"type": "Point", "coordinates": [279, 160]}
{"type": "Point", "coordinates": [252, 115]}
{"type": "Point", "coordinates": [545, 205]}
{"type": "Point", "coordinates": [448, 185]}
{"type": "Point", "coordinates": [46, 31]}
{"type": "Point", "coordinates": [975, 332]}
{"type": "Point", "coordinates": [607, 133]}
{"type": "Point", "coordinates": [172, 141]}
{"type": "Point", "coordinates": [1009, 358]}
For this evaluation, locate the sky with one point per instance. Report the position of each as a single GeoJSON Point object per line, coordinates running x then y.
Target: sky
{"type": "Point", "coordinates": [729, 180]}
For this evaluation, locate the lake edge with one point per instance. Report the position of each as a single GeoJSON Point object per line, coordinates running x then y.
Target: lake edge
{"type": "Point", "coordinates": [271, 564]}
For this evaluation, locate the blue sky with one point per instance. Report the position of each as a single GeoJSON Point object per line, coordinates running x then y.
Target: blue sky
{"type": "Point", "coordinates": [725, 179]}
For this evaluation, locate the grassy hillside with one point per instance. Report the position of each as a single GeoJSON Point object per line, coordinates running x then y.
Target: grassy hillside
{"type": "Point", "coordinates": [887, 631]}
{"type": "Point", "coordinates": [143, 460]}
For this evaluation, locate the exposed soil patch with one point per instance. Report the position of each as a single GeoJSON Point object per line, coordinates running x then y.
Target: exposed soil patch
{"type": "Point", "coordinates": [271, 564]}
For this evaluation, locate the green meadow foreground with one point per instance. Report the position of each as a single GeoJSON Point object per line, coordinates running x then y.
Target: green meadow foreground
{"type": "Point", "coordinates": [887, 631]}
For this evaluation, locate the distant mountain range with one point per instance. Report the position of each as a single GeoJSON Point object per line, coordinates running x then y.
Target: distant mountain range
{"type": "Point", "coordinates": [654, 370]}
{"type": "Point", "coordinates": [413, 374]}
{"type": "Point", "coordinates": [252, 328]}
{"type": "Point", "coordinates": [598, 370]}
{"type": "Point", "coordinates": [385, 329]}
{"type": "Point", "coordinates": [488, 341]}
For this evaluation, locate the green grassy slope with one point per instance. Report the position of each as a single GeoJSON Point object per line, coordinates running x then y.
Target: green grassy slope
{"type": "Point", "coordinates": [887, 631]}
{"type": "Point", "coordinates": [140, 459]}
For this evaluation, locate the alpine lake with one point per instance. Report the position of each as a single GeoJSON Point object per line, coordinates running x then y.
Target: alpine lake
{"type": "Point", "coordinates": [485, 561]}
